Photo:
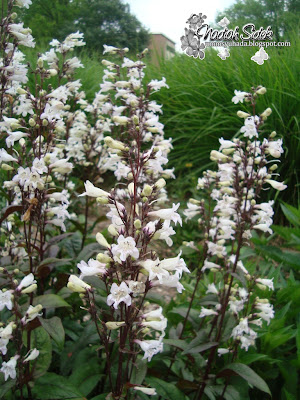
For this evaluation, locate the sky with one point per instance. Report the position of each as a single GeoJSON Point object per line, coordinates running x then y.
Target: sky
{"type": "Point", "coordinates": [169, 16]}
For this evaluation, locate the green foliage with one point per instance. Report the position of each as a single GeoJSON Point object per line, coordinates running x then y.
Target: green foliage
{"type": "Point", "coordinates": [101, 21]}
{"type": "Point", "coordinates": [282, 16]}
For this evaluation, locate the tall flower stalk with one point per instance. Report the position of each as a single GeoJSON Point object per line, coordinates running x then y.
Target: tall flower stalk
{"type": "Point", "coordinates": [130, 267]}
{"type": "Point", "coordinates": [230, 211]}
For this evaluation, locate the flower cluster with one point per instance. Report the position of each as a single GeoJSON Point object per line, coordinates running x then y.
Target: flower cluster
{"type": "Point", "coordinates": [229, 215]}
{"type": "Point", "coordinates": [129, 267]}
{"type": "Point", "coordinates": [11, 332]}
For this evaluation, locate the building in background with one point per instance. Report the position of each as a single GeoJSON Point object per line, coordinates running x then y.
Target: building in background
{"type": "Point", "coordinates": [161, 47]}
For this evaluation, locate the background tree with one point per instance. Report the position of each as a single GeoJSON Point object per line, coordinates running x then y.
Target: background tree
{"type": "Point", "coordinates": [282, 15]}
{"type": "Point", "coordinates": [101, 21]}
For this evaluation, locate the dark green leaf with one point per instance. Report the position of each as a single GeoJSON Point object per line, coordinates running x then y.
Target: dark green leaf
{"type": "Point", "coordinates": [52, 386]}
{"type": "Point", "coordinates": [6, 386]}
{"type": "Point", "coordinates": [50, 301]}
{"type": "Point", "coordinates": [40, 340]}
{"type": "Point", "coordinates": [167, 391]}
{"type": "Point", "coordinates": [139, 372]}
{"type": "Point", "coordinates": [55, 329]}
{"type": "Point", "coordinates": [86, 377]}
{"type": "Point", "coordinates": [248, 374]}
{"type": "Point", "coordinates": [199, 348]}
{"type": "Point", "coordinates": [291, 213]}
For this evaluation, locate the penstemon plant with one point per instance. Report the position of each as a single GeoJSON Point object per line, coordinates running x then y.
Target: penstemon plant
{"type": "Point", "coordinates": [230, 210]}
{"type": "Point", "coordinates": [33, 165]}
{"type": "Point", "coordinates": [130, 268]}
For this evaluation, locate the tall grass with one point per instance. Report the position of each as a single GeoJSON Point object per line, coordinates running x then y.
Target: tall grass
{"type": "Point", "coordinates": [198, 108]}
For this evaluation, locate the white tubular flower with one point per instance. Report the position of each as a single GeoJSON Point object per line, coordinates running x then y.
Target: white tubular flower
{"type": "Point", "coordinates": [109, 49]}
{"type": "Point", "coordinates": [3, 344]}
{"type": "Point", "coordinates": [263, 228]}
{"type": "Point", "coordinates": [136, 287]}
{"type": "Point", "coordinates": [5, 157]}
{"type": "Point", "coordinates": [150, 347]}
{"type": "Point", "coordinates": [14, 137]}
{"type": "Point", "coordinates": [32, 313]}
{"type": "Point", "coordinates": [157, 85]}
{"type": "Point", "coordinates": [175, 264]}
{"type": "Point", "coordinates": [154, 314]}
{"type": "Point", "coordinates": [249, 129]}
{"type": "Point", "coordinates": [119, 294]}
{"type": "Point", "coordinates": [93, 191]}
{"type": "Point", "coordinates": [209, 265]}
{"type": "Point", "coordinates": [23, 3]}
{"type": "Point", "coordinates": [6, 299]}
{"type": "Point", "coordinates": [5, 333]}
{"type": "Point", "coordinates": [169, 281]}
{"type": "Point", "coordinates": [239, 96]}
{"type": "Point", "coordinates": [77, 285]}
{"type": "Point", "coordinates": [276, 185]}
{"type": "Point", "coordinates": [205, 312]}
{"type": "Point", "coordinates": [156, 325]}
{"type": "Point", "coordinates": [154, 269]}
{"type": "Point", "coordinates": [148, 391]}
{"type": "Point", "coordinates": [267, 311]}
{"type": "Point", "coordinates": [191, 211]}
{"type": "Point", "coordinates": [168, 214]}
{"type": "Point", "coordinates": [28, 280]}
{"type": "Point", "coordinates": [9, 368]}
{"type": "Point", "coordinates": [62, 166]}
{"type": "Point", "coordinates": [274, 147]}
{"type": "Point", "coordinates": [32, 355]}
{"type": "Point", "coordinates": [266, 282]}
{"type": "Point", "coordinates": [93, 267]}
{"type": "Point", "coordinates": [164, 233]}
{"type": "Point", "coordinates": [126, 247]}
{"type": "Point", "coordinates": [226, 144]}
{"type": "Point", "coordinates": [211, 288]}
{"type": "Point", "coordinates": [222, 351]}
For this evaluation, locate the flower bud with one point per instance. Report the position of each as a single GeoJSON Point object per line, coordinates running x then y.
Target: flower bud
{"type": "Point", "coordinates": [112, 230]}
{"type": "Point", "coordinates": [217, 156]}
{"type": "Point", "coordinates": [114, 325]}
{"type": "Point", "coordinates": [266, 113]}
{"type": "Point", "coordinates": [147, 190]}
{"type": "Point", "coordinates": [52, 72]}
{"type": "Point", "coordinates": [103, 258]}
{"type": "Point", "coordinates": [273, 167]}
{"type": "Point", "coordinates": [131, 188]}
{"type": "Point", "coordinates": [135, 119]}
{"type": "Point", "coordinates": [29, 289]}
{"type": "Point", "coordinates": [160, 184]}
{"type": "Point", "coordinates": [242, 114]}
{"type": "Point", "coordinates": [45, 122]}
{"type": "Point", "coordinates": [262, 90]}
{"type": "Point", "coordinates": [121, 120]}
{"type": "Point", "coordinates": [33, 354]}
{"type": "Point", "coordinates": [107, 63]}
{"type": "Point", "coordinates": [137, 224]}
{"type": "Point", "coordinates": [40, 62]}
{"type": "Point", "coordinates": [21, 91]}
{"type": "Point", "coordinates": [6, 167]}
{"type": "Point", "coordinates": [101, 240]}
{"type": "Point", "coordinates": [114, 144]}
{"type": "Point", "coordinates": [77, 285]}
